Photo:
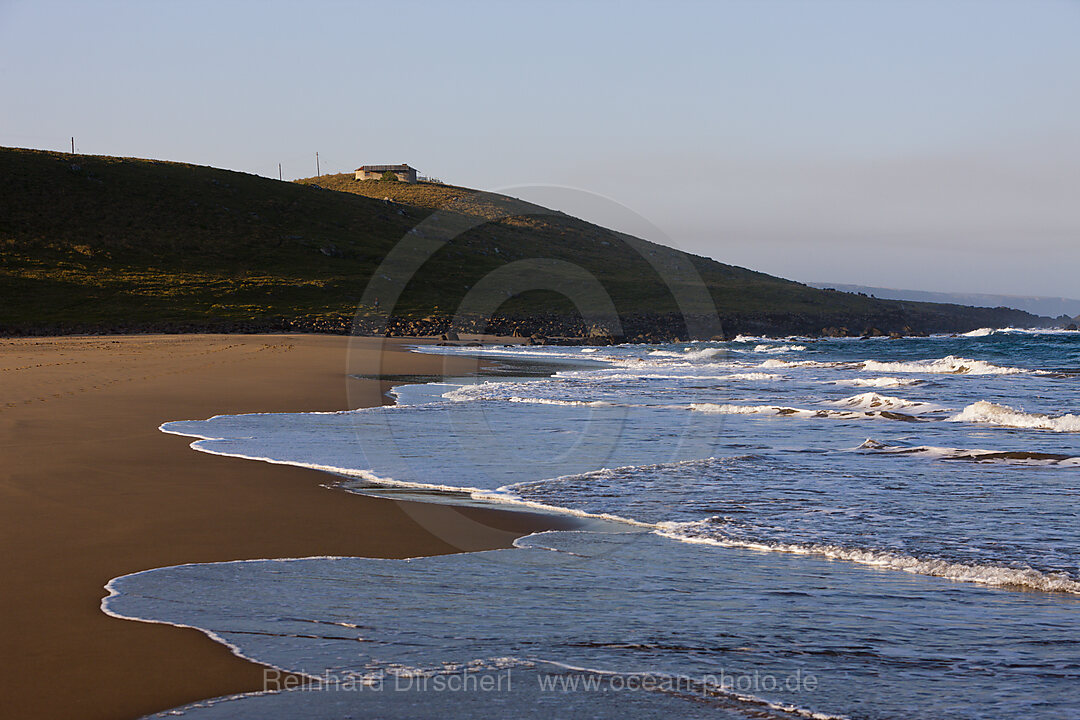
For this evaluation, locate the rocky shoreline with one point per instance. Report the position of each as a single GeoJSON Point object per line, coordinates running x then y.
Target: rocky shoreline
{"type": "Point", "coordinates": [551, 328]}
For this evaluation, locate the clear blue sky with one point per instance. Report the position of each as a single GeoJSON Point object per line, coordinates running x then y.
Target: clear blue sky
{"type": "Point", "coordinates": [929, 144]}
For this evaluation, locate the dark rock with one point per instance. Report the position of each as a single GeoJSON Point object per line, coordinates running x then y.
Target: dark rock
{"type": "Point", "coordinates": [599, 336]}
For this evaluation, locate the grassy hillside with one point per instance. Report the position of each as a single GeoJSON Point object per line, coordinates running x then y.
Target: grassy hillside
{"type": "Point", "coordinates": [90, 242]}
{"type": "Point", "coordinates": [742, 298]}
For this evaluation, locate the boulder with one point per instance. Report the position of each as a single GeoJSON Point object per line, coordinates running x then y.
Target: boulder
{"type": "Point", "coordinates": [599, 335]}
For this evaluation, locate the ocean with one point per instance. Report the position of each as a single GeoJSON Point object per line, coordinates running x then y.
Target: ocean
{"type": "Point", "coordinates": [792, 528]}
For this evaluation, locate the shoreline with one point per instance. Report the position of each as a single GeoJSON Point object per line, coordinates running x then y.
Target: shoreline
{"type": "Point", "coordinates": [547, 328]}
{"type": "Point", "coordinates": [93, 490]}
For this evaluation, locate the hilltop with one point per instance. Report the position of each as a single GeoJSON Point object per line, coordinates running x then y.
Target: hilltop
{"type": "Point", "coordinates": [109, 244]}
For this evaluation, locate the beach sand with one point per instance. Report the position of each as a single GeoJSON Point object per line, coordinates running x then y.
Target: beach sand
{"type": "Point", "coordinates": [90, 489]}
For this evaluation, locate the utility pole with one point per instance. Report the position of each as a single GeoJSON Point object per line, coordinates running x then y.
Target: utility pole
{"type": "Point", "coordinates": [279, 171]}
{"type": "Point", "coordinates": [73, 145]}
{"type": "Point", "coordinates": [317, 172]}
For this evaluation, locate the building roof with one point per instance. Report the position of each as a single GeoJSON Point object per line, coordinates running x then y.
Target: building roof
{"type": "Point", "coordinates": [384, 168]}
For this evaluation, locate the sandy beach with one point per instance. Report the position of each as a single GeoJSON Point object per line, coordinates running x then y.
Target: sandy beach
{"type": "Point", "coordinates": [91, 490]}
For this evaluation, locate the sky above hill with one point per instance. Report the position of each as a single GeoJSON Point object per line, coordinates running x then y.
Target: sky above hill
{"type": "Point", "coordinates": [928, 144]}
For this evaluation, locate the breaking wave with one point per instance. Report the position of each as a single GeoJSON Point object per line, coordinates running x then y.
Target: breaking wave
{"type": "Point", "coordinates": [702, 531]}
{"type": "Point", "coordinates": [651, 373]}
{"type": "Point", "coordinates": [1008, 457]}
{"type": "Point", "coordinates": [950, 365]}
{"type": "Point", "coordinates": [774, 363]}
{"type": "Point", "coordinates": [778, 349]}
{"type": "Point", "coordinates": [690, 354]}
{"type": "Point", "coordinates": [549, 401]}
{"type": "Point", "coordinates": [1005, 416]}
{"type": "Point", "coordinates": [874, 401]}
{"type": "Point", "coordinates": [983, 332]}
{"type": "Point", "coordinates": [782, 411]}
{"type": "Point", "coordinates": [880, 382]}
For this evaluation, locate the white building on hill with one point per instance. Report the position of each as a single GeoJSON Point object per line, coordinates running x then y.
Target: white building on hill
{"type": "Point", "coordinates": [375, 172]}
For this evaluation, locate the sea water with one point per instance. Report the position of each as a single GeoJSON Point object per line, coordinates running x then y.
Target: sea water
{"type": "Point", "coordinates": [797, 528]}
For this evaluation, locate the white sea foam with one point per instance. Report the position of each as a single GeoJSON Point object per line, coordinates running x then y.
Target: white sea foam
{"type": "Point", "coordinates": [549, 401]}
{"type": "Point", "coordinates": [603, 374]}
{"type": "Point", "coordinates": [949, 365]}
{"type": "Point", "coordinates": [783, 411]}
{"type": "Point", "coordinates": [704, 531]}
{"type": "Point", "coordinates": [518, 351]}
{"type": "Point", "coordinates": [874, 401]}
{"type": "Point", "coordinates": [774, 363]}
{"type": "Point", "coordinates": [690, 354]}
{"type": "Point", "coordinates": [1005, 457]}
{"type": "Point", "coordinates": [750, 376]}
{"type": "Point", "coordinates": [778, 349]}
{"type": "Point", "coordinates": [486, 390]}
{"type": "Point", "coordinates": [652, 373]}
{"type": "Point", "coordinates": [1005, 416]}
{"type": "Point", "coordinates": [981, 332]}
{"type": "Point", "coordinates": [726, 409]}
{"type": "Point", "coordinates": [1034, 331]}
{"type": "Point", "coordinates": [746, 376]}
{"type": "Point", "coordinates": [879, 382]}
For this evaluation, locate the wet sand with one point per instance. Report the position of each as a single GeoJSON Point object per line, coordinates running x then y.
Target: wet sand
{"type": "Point", "coordinates": [90, 490]}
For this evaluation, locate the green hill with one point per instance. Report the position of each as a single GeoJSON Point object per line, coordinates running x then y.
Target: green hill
{"type": "Point", "coordinates": [91, 243]}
